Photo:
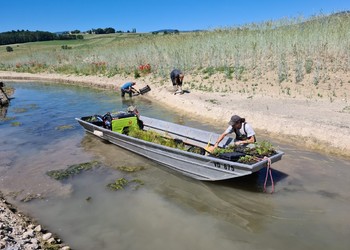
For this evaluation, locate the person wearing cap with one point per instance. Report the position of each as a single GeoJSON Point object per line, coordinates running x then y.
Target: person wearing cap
{"type": "Point", "coordinates": [177, 77]}
{"type": "Point", "coordinates": [128, 88]}
{"type": "Point", "coordinates": [133, 110]}
{"type": "Point", "coordinates": [243, 130]}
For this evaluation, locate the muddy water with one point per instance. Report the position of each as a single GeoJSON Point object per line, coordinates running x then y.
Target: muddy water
{"type": "Point", "coordinates": [309, 209]}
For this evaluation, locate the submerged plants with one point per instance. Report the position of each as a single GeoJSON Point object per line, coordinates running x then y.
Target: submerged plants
{"type": "Point", "coordinates": [72, 170]}
{"type": "Point", "coordinates": [131, 168]}
{"type": "Point", "coordinates": [121, 183]}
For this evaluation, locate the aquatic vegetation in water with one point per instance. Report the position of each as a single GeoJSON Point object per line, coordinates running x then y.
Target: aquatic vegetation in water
{"type": "Point", "coordinates": [7, 118]}
{"type": "Point", "coordinates": [121, 183]}
{"type": "Point", "coordinates": [64, 127]}
{"type": "Point", "coordinates": [72, 170]}
{"type": "Point", "coordinates": [131, 168]}
{"type": "Point", "coordinates": [31, 197]}
{"type": "Point", "coordinates": [19, 110]}
{"type": "Point", "coordinates": [118, 184]}
{"type": "Point", "coordinates": [33, 106]}
{"type": "Point", "coordinates": [16, 124]}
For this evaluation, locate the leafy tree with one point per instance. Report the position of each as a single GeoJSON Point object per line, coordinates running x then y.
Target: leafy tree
{"type": "Point", "coordinates": [109, 30]}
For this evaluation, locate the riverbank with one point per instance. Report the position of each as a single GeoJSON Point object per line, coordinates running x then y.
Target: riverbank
{"type": "Point", "coordinates": [18, 231]}
{"type": "Point", "coordinates": [311, 123]}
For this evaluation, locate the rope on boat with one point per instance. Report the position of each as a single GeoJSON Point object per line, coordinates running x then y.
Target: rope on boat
{"type": "Point", "coordinates": [269, 172]}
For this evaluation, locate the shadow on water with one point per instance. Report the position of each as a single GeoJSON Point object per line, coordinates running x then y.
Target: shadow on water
{"type": "Point", "coordinates": [254, 182]}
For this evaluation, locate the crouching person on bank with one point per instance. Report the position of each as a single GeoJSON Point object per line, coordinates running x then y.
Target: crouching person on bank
{"type": "Point", "coordinates": [128, 88]}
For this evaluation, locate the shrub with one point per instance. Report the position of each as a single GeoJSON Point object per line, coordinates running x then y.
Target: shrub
{"type": "Point", "coordinates": [9, 49]}
{"type": "Point", "coordinates": [145, 68]}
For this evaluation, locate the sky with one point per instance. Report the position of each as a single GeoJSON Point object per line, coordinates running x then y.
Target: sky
{"type": "Point", "coordinates": [153, 15]}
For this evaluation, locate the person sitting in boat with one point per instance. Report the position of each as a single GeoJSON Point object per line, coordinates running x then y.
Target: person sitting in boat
{"type": "Point", "coordinates": [243, 130]}
{"type": "Point", "coordinates": [133, 110]}
{"type": "Point", "coordinates": [128, 88]}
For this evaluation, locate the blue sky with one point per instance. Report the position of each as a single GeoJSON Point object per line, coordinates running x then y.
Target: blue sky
{"type": "Point", "coordinates": [151, 15]}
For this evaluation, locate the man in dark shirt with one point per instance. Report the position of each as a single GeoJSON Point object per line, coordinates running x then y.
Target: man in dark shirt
{"type": "Point", "coordinates": [177, 78]}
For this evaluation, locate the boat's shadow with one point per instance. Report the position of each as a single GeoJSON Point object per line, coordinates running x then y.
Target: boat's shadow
{"type": "Point", "coordinates": [254, 182]}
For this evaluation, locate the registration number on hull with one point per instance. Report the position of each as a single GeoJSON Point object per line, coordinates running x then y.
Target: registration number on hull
{"type": "Point", "coordinates": [224, 166]}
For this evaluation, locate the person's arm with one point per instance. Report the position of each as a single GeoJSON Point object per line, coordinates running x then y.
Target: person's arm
{"type": "Point", "coordinates": [222, 136]}
{"type": "Point", "coordinates": [135, 90]}
{"type": "Point", "coordinates": [250, 135]}
{"type": "Point", "coordinates": [247, 141]}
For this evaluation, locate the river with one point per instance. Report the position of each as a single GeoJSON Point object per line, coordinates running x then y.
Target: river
{"type": "Point", "coordinates": [308, 210]}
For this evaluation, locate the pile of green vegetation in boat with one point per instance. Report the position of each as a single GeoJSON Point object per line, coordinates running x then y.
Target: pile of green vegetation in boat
{"type": "Point", "coordinates": [249, 154]}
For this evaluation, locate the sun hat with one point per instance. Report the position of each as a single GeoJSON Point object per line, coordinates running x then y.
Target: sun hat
{"type": "Point", "coordinates": [234, 119]}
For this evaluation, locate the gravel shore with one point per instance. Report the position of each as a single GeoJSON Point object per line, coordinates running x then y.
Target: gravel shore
{"type": "Point", "coordinates": [18, 231]}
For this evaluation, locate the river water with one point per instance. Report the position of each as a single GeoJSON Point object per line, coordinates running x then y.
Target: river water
{"type": "Point", "coordinates": [309, 209]}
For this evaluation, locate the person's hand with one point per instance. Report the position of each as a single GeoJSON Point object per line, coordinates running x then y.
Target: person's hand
{"type": "Point", "coordinates": [241, 142]}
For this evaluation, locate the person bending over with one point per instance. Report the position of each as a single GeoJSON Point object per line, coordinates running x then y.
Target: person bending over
{"type": "Point", "coordinates": [243, 130]}
{"type": "Point", "coordinates": [177, 78]}
{"type": "Point", "coordinates": [128, 88]}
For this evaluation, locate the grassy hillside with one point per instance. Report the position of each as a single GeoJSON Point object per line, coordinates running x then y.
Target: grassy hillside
{"type": "Point", "coordinates": [287, 54]}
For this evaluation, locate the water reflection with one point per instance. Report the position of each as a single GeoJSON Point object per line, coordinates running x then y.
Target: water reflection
{"type": "Point", "coordinates": [3, 112]}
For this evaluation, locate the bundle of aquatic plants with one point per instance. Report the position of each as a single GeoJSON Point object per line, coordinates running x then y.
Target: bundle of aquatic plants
{"type": "Point", "coordinates": [152, 136]}
{"type": "Point", "coordinates": [253, 153]}
{"type": "Point", "coordinates": [261, 149]}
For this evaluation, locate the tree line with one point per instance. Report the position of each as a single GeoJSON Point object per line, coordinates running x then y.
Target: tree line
{"type": "Point", "coordinates": [21, 36]}
{"type": "Point", "coordinates": [108, 31]}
